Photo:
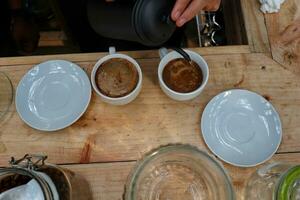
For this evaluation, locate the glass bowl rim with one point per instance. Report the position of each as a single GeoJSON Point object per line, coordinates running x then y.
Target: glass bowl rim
{"type": "Point", "coordinates": [148, 157]}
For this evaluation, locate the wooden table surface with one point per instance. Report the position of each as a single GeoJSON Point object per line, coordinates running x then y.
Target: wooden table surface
{"type": "Point", "coordinates": [104, 144]}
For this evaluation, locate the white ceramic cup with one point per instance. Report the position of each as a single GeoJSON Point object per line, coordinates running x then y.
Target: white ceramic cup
{"type": "Point", "coordinates": [166, 57]}
{"type": "Point", "coordinates": [118, 100]}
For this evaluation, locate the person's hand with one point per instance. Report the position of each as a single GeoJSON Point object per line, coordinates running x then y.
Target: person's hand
{"type": "Point", "coordinates": [185, 10]}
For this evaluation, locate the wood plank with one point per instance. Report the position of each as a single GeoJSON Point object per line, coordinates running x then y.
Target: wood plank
{"type": "Point", "coordinates": [52, 35]}
{"type": "Point", "coordinates": [51, 43]}
{"type": "Point", "coordinates": [51, 39]}
{"type": "Point", "coordinates": [107, 180]}
{"type": "Point", "coordinates": [255, 26]}
{"type": "Point", "coordinates": [6, 93]}
{"type": "Point", "coordinates": [234, 22]}
{"type": "Point", "coordinates": [135, 54]}
{"type": "Point", "coordinates": [107, 133]}
{"type": "Point", "coordinates": [284, 34]}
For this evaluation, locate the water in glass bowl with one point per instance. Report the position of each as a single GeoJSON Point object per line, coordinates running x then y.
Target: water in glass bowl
{"type": "Point", "coordinates": [178, 172]}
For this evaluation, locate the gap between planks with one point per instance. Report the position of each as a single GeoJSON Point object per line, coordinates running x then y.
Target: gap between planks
{"type": "Point", "coordinates": [149, 54]}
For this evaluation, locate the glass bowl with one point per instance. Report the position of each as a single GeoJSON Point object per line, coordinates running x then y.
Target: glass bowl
{"type": "Point", "coordinates": [275, 181]}
{"type": "Point", "coordinates": [178, 172]}
{"type": "Point", "coordinates": [6, 94]}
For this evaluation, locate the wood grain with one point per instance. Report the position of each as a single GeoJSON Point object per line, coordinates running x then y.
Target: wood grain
{"type": "Point", "coordinates": [51, 38]}
{"type": "Point", "coordinates": [255, 27]}
{"type": "Point", "coordinates": [107, 180]}
{"type": "Point", "coordinates": [30, 60]}
{"type": "Point", "coordinates": [107, 133]}
{"type": "Point", "coordinates": [234, 22]}
{"type": "Point", "coordinates": [6, 94]}
{"type": "Point", "coordinates": [284, 35]}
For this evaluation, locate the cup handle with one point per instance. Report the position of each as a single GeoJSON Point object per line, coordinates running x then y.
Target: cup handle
{"type": "Point", "coordinates": [112, 50]}
{"type": "Point", "coordinates": [162, 52]}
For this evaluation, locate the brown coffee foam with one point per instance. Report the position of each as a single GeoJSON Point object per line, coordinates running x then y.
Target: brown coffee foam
{"type": "Point", "coordinates": [181, 76]}
{"type": "Point", "coordinates": [116, 77]}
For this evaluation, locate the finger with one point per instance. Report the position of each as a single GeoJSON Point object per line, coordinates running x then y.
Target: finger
{"type": "Point", "coordinates": [191, 11]}
{"type": "Point", "coordinates": [214, 6]}
{"type": "Point", "coordinates": [179, 8]}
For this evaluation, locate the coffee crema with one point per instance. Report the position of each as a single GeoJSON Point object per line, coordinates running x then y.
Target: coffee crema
{"type": "Point", "coordinates": [182, 76]}
{"type": "Point", "coordinates": [116, 77]}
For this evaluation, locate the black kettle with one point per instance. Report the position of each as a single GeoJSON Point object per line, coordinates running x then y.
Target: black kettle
{"type": "Point", "coordinates": [145, 21]}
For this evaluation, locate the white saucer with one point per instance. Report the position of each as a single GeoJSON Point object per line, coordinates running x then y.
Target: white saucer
{"type": "Point", "coordinates": [241, 127]}
{"type": "Point", "coordinates": [53, 95]}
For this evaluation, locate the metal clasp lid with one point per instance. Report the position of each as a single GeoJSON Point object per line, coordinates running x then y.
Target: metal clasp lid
{"type": "Point", "coordinates": [29, 161]}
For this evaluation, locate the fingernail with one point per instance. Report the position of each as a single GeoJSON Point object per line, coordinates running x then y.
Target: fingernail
{"type": "Point", "coordinates": [177, 15]}
{"type": "Point", "coordinates": [181, 21]}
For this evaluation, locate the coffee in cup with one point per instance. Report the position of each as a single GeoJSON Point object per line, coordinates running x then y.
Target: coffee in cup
{"type": "Point", "coordinates": [179, 79]}
{"type": "Point", "coordinates": [116, 77]}
{"type": "Point", "coordinates": [182, 76]}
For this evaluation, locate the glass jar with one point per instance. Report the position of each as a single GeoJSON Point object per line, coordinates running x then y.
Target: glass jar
{"type": "Point", "coordinates": [276, 181]}
{"type": "Point", "coordinates": [178, 172]}
{"type": "Point", "coordinates": [6, 94]}
{"type": "Point", "coordinates": [63, 183]}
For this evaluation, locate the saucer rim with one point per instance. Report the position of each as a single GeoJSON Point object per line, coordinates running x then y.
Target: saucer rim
{"type": "Point", "coordinates": [220, 156]}
{"type": "Point", "coordinates": [67, 124]}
